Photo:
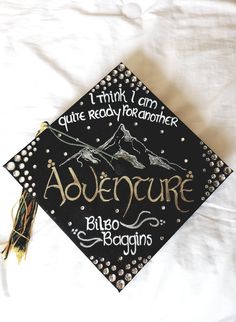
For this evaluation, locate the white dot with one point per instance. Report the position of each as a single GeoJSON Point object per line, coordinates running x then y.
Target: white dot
{"type": "Point", "coordinates": [117, 210]}
{"type": "Point", "coordinates": [47, 151]}
{"type": "Point", "coordinates": [33, 143]}
{"type": "Point", "coordinates": [29, 178]}
{"type": "Point", "coordinates": [34, 194]}
{"type": "Point", "coordinates": [82, 207]}
{"type": "Point", "coordinates": [182, 139]}
{"type": "Point", "coordinates": [26, 172]}
{"type": "Point", "coordinates": [135, 123]}
{"type": "Point", "coordinates": [163, 107]}
{"type": "Point", "coordinates": [37, 139]}
{"type": "Point", "coordinates": [34, 149]}
{"type": "Point", "coordinates": [29, 147]}
{"type": "Point", "coordinates": [52, 212]}
{"type": "Point", "coordinates": [81, 103]}
{"type": "Point", "coordinates": [185, 160]}
{"type": "Point", "coordinates": [97, 140]}
{"type": "Point", "coordinates": [21, 179]}
{"type": "Point", "coordinates": [65, 154]}
{"type": "Point", "coordinates": [162, 238]}
{"type": "Point", "coordinates": [163, 207]}
{"type": "Point", "coordinates": [30, 189]}
{"type": "Point", "coordinates": [34, 166]}
{"type": "Point", "coordinates": [17, 158]}
{"type": "Point", "coordinates": [162, 151]}
{"type": "Point", "coordinates": [33, 184]}
{"type": "Point", "coordinates": [88, 127]}
{"type": "Point", "coordinates": [30, 154]}
{"type": "Point", "coordinates": [69, 223]}
{"type": "Point", "coordinates": [144, 139]}
{"type": "Point", "coordinates": [21, 165]}
{"type": "Point", "coordinates": [23, 152]}
{"type": "Point", "coordinates": [161, 131]}
{"type": "Point", "coordinates": [26, 159]}
{"type": "Point", "coordinates": [16, 173]}
{"type": "Point", "coordinates": [110, 123]}
{"type": "Point", "coordinates": [26, 185]}
{"type": "Point", "coordinates": [11, 166]}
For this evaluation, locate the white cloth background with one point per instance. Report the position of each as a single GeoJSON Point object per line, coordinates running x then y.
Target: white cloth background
{"type": "Point", "coordinates": [51, 53]}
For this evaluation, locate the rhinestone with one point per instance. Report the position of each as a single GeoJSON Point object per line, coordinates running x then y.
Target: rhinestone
{"type": "Point", "coordinates": [100, 266]}
{"type": "Point", "coordinates": [126, 80]}
{"type": "Point", "coordinates": [23, 152]}
{"type": "Point", "coordinates": [201, 142]}
{"type": "Point", "coordinates": [133, 79]}
{"type": "Point", "coordinates": [140, 258]}
{"type": "Point", "coordinates": [102, 259]}
{"type": "Point", "coordinates": [203, 198]}
{"type": "Point", "coordinates": [102, 82]}
{"type": "Point", "coordinates": [127, 73]}
{"type": "Point", "coordinates": [147, 91]}
{"type": "Point", "coordinates": [26, 159]}
{"type": "Point", "coordinates": [182, 139]}
{"type": "Point", "coordinates": [206, 186]}
{"type": "Point", "coordinates": [127, 266]}
{"type": "Point", "coordinates": [140, 265]}
{"type": "Point", "coordinates": [95, 261]}
{"type": "Point", "coordinates": [134, 270]}
{"type": "Point", "coordinates": [207, 159]}
{"type": "Point", "coordinates": [213, 176]}
{"type": "Point", "coordinates": [203, 155]}
{"type": "Point", "coordinates": [209, 152]}
{"type": "Point", "coordinates": [52, 211]}
{"type": "Point", "coordinates": [113, 268]}
{"type": "Point", "coordinates": [216, 183]}
{"type": "Point", "coordinates": [204, 147]}
{"type": "Point", "coordinates": [132, 85]}
{"type": "Point", "coordinates": [115, 80]}
{"type": "Point", "coordinates": [109, 84]}
{"type": "Point", "coordinates": [35, 149]}
{"type": "Point", "coordinates": [214, 157]}
{"type": "Point", "coordinates": [139, 84]}
{"type": "Point", "coordinates": [149, 257]}
{"type": "Point", "coordinates": [222, 177]}
{"type": "Point", "coordinates": [17, 158]}
{"type": "Point", "coordinates": [34, 194]}
{"type": "Point", "coordinates": [121, 272]}
{"type": "Point", "coordinates": [11, 166]}
{"type": "Point", "coordinates": [120, 284]}
{"type": "Point", "coordinates": [91, 257]}
{"type": "Point", "coordinates": [227, 170]}
{"type": "Point", "coordinates": [115, 72]}
{"type": "Point", "coordinates": [21, 179]}
{"type": "Point", "coordinates": [120, 258]}
{"type": "Point", "coordinates": [207, 193]}
{"type": "Point", "coordinates": [106, 271]}
{"type": "Point", "coordinates": [29, 178]}
{"type": "Point", "coordinates": [162, 238]}
{"type": "Point", "coordinates": [33, 143]}
{"type": "Point", "coordinates": [216, 170]}
{"type": "Point", "coordinates": [145, 260]}
{"type": "Point", "coordinates": [82, 207]}
{"type": "Point", "coordinates": [21, 165]}
{"type": "Point", "coordinates": [121, 67]}
{"type": "Point", "coordinates": [211, 164]}
{"type": "Point", "coordinates": [121, 76]}
{"type": "Point", "coordinates": [178, 220]}
{"type": "Point", "coordinates": [108, 78]}
{"type": "Point", "coordinates": [16, 173]}
{"type": "Point", "coordinates": [128, 277]}
{"type": "Point", "coordinates": [26, 172]}
{"type": "Point", "coordinates": [97, 86]}
{"type": "Point", "coordinates": [108, 263]}
{"type": "Point", "coordinates": [211, 189]}
{"type": "Point", "coordinates": [47, 151]}
{"type": "Point", "coordinates": [134, 262]}
{"type": "Point", "coordinates": [220, 163]}
{"type": "Point", "coordinates": [30, 190]}
{"type": "Point", "coordinates": [29, 147]}
{"type": "Point", "coordinates": [112, 277]}
{"type": "Point", "coordinates": [26, 185]}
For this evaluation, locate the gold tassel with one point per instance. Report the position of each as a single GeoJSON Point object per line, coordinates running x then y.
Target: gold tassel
{"type": "Point", "coordinates": [23, 221]}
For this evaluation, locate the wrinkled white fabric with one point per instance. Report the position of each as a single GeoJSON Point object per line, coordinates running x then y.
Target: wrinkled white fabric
{"type": "Point", "coordinates": [53, 52]}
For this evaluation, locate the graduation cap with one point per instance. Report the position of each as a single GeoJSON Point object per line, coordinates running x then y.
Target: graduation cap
{"type": "Point", "coordinates": [118, 172]}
